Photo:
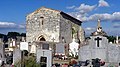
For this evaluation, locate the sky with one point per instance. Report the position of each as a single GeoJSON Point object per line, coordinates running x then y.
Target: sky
{"type": "Point", "coordinates": [13, 13]}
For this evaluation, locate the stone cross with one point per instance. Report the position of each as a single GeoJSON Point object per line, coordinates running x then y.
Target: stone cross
{"type": "Point", "coordinates": [43, 53]}
{"type": "Point", "coordinates": [98, 40]}
{"type": "Point", "coordinates": [53, 47]}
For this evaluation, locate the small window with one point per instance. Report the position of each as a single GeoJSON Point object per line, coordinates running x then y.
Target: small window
{"type": "Point", "coordinates": [42, 22]}
{"type": "Point", "coordinates": [42, 19]}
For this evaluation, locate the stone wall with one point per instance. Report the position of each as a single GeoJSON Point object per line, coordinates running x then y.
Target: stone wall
{"type": "Point", "coordinates": [65, 30]}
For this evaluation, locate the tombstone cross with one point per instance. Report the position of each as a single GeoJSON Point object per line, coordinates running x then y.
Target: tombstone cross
{"type": "Point", "coordinates": [53, 38]}
{"type": "Point", "coordinates": [43, 53]}
{"type": "Point", "coordinates": [98, 40]}
{"type": "Point", "coordinates": [0, 56]}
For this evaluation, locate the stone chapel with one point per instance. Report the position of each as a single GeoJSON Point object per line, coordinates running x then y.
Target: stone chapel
{"type": "Point", "coordinates": [48, 26]}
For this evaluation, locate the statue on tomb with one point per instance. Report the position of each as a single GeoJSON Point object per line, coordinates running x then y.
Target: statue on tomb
{"type": "Point", "coordinates": [33, 48]}
{"type": "Point", "coordinates": [117, 40]}
{"type": "Point", "coordinates": [99, 30]}
{"type": "Point", "coordinates": [73, 48]}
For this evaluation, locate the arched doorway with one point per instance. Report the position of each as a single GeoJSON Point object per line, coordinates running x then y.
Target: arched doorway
{"type": "Point", "coordinates": [41, 38]}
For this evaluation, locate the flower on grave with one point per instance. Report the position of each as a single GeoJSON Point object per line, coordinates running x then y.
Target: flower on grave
{"type": "Point", "coordinates": [73, 62]}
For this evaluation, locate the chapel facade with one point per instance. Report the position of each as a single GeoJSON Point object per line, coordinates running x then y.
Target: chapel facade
{"type": "Point", "coordinates": [51, 25]}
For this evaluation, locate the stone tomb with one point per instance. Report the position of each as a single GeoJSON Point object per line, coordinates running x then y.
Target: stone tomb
{"type": "Point", "coordinates": [2, 52]}
{"type": "Point", "coordinates": [98, 47]}
{"type": "Point", "coordinates": [44, 57]}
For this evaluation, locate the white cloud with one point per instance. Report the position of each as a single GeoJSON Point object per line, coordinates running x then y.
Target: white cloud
{"type": "Point", "coordinates": [105, 17]}
{"type": "Point", "coordinates": [95, 17]}
{"type": "Point", "coordinates": [7, 24]}
{"type": "Point", "coordinates": [114, 17]}
{"type": "Point", "coordinates": [89, 29]}
{"type": "Point", "coordinates": [103, 3]}
{"type": "Point", "coordinates": [22, 26]}
{"type": "Point", "coordinates": [83, 8]}
{"type": "Point", "coordinates": [81, 11]}
{"type": "Point", "coordinates": [116, 25]}
{"type": "Point", "coordinates": [10, 25]}
{"type": "Point", "coordinates": [70, 7]}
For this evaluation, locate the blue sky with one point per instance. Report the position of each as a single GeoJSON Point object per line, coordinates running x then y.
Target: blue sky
{"type": "Point", "coordinates": [13, 13]}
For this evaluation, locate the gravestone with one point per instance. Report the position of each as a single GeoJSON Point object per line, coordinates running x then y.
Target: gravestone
{"type": "Point", "coordinates": [2, 52]}
{"type": "Point", "coordinates": [44, 57]}
{"type": "Point", "coordinates": [33, 48]}
{"type": "Point", "coordinates": [16, 55]}
{"type": "Point", "coordinates": [0, 40]}
{"type": "Point", "coordinates": [60, 49]}
{"type": "Point", "coordinates": [23, 45]}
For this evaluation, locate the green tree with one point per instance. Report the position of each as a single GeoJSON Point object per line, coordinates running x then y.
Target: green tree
{"type": "Point", "coordinates": [111, 38]}
{"type": "Point", "coordinates": [13, 34]}
{"type": "Point", "coordinates": [23, 34]}
{"type": "Point", "coordinates": [1, 35]}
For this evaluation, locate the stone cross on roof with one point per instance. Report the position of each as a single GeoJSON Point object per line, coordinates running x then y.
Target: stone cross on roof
{"type": "Point", "coordinates": [99, 30]}
{"type": "Point", "coordinates": [98, 25]}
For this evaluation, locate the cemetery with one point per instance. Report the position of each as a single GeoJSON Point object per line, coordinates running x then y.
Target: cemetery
{"type": "Point", "coordinates": [54, 38]}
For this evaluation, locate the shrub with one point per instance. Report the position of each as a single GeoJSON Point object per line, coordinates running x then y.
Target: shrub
{"type": "Point", "coordinates": [28, 62]}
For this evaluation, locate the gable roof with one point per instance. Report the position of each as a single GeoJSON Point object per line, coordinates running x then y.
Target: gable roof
{"type": "Point", "coordinates": [76, 21]}
{"type": "Point", "coordinates": [65, 15]}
